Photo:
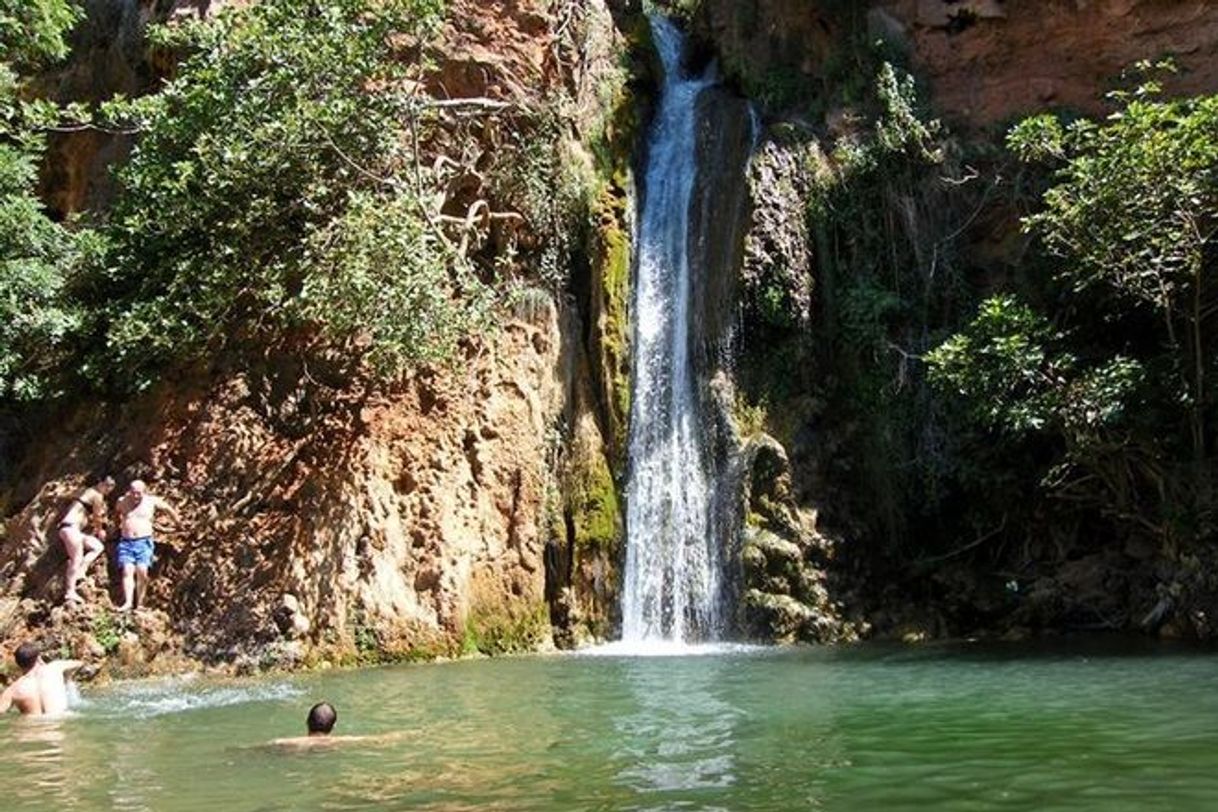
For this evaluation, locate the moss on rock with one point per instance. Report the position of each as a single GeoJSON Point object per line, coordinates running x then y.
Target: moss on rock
{"type": "Point", "coordinates": [594, 506]}
{"type": "Point", "coordinates": [505, 630]}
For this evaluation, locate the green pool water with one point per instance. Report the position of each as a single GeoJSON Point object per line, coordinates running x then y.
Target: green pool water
{"type": "Point", "coordinates": [1076, 725]}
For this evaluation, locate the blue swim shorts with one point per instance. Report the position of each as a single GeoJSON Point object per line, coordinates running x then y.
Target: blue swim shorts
{"type": "Point", "coordinates": [135, 551]}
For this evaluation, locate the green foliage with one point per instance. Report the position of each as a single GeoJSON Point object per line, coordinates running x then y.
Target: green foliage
{"type": "Point", "coordinates": [352, 282]}
{"type": "Point", "coordinates": [496, 633]}
{"type": "Point", "coordinates": [367, 643]}
{"type": "Point", "coordinates": [38, 257]}
{"type": "Point", "coordinates": [34, 31]}
{"type": "Point", "coordinates": [1134, 207]}
{"type": "Point", "coordinates": [900, 129]}
{"type": "Point", "coordinates": [108, 631]}
{"type": "Point", "coordinates": [272, 194]}
{"type": "Point", "coordinates": [1123, 391]}
{"type": "Point", "coordinates": [1015, 374]}
{"type": "Point", "coordinates": [544, 175]}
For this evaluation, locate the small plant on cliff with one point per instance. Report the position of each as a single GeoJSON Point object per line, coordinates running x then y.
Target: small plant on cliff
{"type": "Point", "coordinates": [498, 632]}
{"type": "Point", "coordinates": [108, 632]}
{"type": "Point", "coordinates": [274, 195]}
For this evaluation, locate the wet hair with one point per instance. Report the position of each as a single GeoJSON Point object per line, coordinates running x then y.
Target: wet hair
{"type": "Point", "coordinates": [106, 482]}
{"type": "Point", "coordinates": [27, 655]}
{"type": "Point", "coordinates": [322, 717]}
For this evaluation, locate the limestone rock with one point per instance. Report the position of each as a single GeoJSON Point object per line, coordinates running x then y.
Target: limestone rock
{"type": "Point", "coordinates": [785, 595]}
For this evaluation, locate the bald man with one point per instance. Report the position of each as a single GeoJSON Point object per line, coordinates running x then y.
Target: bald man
{"type": "Point", "coordinates": [137, 513]}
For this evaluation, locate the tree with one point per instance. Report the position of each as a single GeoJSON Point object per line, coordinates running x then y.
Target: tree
{"type": "Point", "coordinates": [272, 194]}
{"type": "Point", "coordinates": [1117, 376]}
{"type": "Point", "coordinates": [38, 257]}
{"type": "Point", "coordinates": [1133, 218]}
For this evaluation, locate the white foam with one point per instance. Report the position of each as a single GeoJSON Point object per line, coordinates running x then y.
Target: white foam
{"type": "Point", "coordinates": [668, 648]}
{"type": "Point", "coordinates": [162, 697]}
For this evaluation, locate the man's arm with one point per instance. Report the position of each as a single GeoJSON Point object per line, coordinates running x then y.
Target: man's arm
{"type": "Point", "coordinates": [120, 508]}
{"type": "Point", "coordinates": [168, 508]}
{"type": "Point", "coordinates": [97, 520]}
{"type": "Point", "coordinates": [6, 699]}
{"type": "Point", "coordinates": [64, 666]}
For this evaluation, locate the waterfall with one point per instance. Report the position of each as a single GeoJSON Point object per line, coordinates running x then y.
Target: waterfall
{"type": "Point", "coordinates": [672, 581]}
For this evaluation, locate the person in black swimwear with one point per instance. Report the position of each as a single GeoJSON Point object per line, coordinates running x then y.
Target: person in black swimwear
{"type": "Point", "coordinates": [86, 510]}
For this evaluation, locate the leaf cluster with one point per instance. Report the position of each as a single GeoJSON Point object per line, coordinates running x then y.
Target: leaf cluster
{"type": "Point", "coordinates": [270, 193]}
{"type": "Point", "coordinates": [38, 257]}
{"type": "Point", "coordinates": [1129, 226]}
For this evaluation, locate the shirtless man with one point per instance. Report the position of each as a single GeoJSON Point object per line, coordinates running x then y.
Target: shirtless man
{"type": "Point", "coordinates": [87, 509]}
{"type": "Point", "coordinates": [41, 690]}
{"type": "Point", "coordinates": [137, 511]}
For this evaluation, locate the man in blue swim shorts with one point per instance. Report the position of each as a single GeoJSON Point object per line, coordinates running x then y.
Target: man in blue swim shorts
{"type": "Point", "coordinates": [137, 512]}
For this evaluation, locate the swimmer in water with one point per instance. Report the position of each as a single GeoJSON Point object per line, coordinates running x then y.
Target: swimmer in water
{"type": "Point", "coordinates": [42, 689]}
{"type": "Point", "coordinates": [320, 723]}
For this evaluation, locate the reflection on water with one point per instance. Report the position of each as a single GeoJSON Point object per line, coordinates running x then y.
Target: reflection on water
{"type": "Point", "coordinates": [135, 785]}
{"type": "Point", "coordinates": [678, 735]}
{"type": "Point", "coordinates": [37, 751]}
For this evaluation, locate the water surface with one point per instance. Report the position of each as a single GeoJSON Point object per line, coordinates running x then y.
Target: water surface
{"type": "Point", "coordinates": [1072, 726]}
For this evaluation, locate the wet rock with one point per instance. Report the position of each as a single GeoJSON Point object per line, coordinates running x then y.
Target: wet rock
{"type": "Point", "coordinates": [781, 618]}
{"type": "Point", "coordinates": [130, 653]}
{"type": "Point", "coordinates": [91, 648]}
{"type": "Point", "coordinates": [777, 272]}
{"type": "Point", "coordinates": [786, 595]}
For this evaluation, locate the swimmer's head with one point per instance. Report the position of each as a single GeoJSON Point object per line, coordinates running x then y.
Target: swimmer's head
{"type": "Point", "coordinates": [105, 485]}
{"type": "Point", "coordinates": [322, 717]}
{"type": "Point", "coordinates": [27, 656]}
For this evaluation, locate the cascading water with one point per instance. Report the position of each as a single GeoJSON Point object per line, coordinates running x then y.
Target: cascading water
{"type": "Point", "coordinates": [672, 580]}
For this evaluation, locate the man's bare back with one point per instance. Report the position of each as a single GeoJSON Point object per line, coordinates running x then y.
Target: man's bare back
{"type": "Point", "coordinates": [42, 690]}
{"type": "Point", "coordinates": [320, 722]}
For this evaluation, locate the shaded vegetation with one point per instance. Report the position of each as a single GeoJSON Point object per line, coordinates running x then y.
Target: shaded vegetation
{"type": "Point", "coordinates": [1114, 378]}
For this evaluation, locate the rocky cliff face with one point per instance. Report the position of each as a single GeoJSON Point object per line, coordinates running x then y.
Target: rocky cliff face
{"type": "Point", "coordinates": [989, 61]}
{"type": "Point", "coordinates": [981, 65]}
{"type": "Point", "coordinates": [326, 518]}
{"type": "Point", "coordinates": [986, 61]}
{"type": "Point", "coordinates": [319, 518]}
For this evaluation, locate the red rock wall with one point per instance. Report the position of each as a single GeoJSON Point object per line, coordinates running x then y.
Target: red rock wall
{"type": "Point", "coordinates": [989, 61]}
{"type": "Point", "coordinates": [986, 61]}
{"type": "Point", "coordinates": [310, 513]}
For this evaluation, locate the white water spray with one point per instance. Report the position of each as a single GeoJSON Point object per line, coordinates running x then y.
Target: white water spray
{"type": "Point", "coordinates": [672, 581]}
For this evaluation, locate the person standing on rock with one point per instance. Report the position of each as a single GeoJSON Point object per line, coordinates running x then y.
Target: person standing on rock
{"type": "Point", "coordinates": [86, 511]}
{"type": "Point", "coordinates": [137, 512]}
{"type": "Point", "coordinates": [42, 689]}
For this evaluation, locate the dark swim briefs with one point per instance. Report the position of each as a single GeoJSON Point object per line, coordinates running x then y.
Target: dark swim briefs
{"type": "Point", "coordinates": [135, 551]}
